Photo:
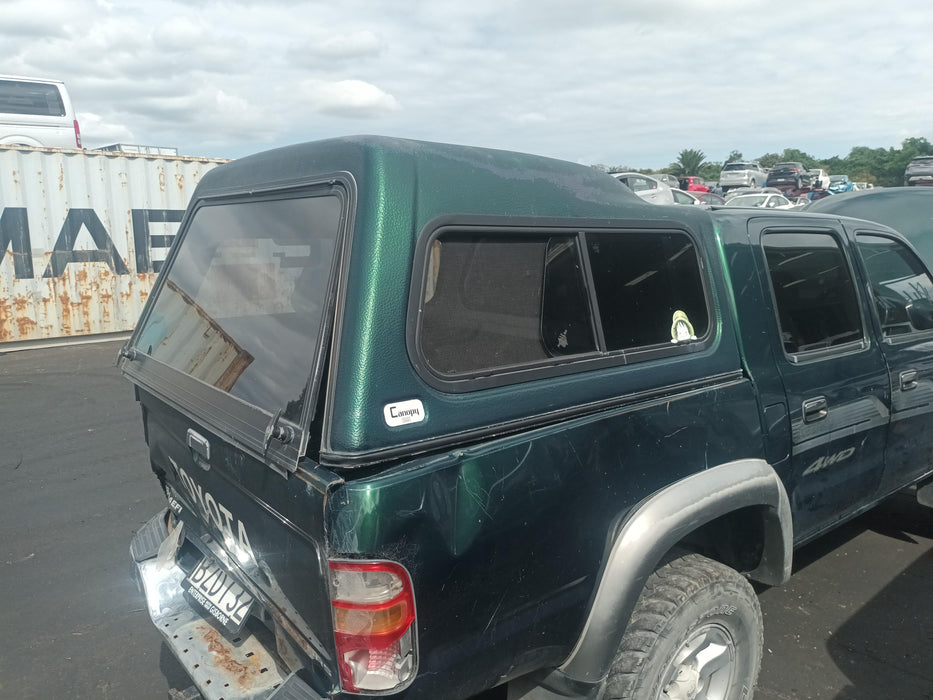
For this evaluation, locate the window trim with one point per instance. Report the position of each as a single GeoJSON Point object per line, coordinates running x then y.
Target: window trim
{"type": "Point", "coordinates": [905, 338]}
{"type": "Point", "coordinates": [816, 355]}
{"type": "Point", "coordinates": [554, 366]}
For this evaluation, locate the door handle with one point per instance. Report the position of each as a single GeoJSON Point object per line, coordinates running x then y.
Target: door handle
{"type": "Point", "coordinates": [815, 409]}
{"type": "Point", "coordinates": [908, 379]}
{"type": "Point", "coordinates": [200, 449]}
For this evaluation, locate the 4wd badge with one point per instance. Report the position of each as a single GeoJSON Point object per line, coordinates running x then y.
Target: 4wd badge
{"type": "Point", "coordinates": [403, 412]}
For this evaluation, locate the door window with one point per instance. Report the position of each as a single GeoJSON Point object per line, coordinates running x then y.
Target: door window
{"type": "Point", "coordinates": [900, 283]}
{"type": "Point", "coordinates": [816, 301]}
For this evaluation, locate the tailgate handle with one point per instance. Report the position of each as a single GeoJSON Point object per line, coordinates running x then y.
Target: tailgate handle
{"type": "Point", "coordinates": [815, 409]}
{"type": "Point", "coordinates": [908, 379]}
{"type": "Point", "coordinates": [200, 447]}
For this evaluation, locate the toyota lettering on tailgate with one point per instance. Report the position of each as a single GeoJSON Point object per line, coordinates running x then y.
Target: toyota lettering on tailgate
{"type": "Point", "coordinates": [214, 511]}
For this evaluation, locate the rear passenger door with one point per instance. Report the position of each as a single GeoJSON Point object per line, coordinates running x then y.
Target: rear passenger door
{"type": "Point", "coordinates": [834, 374]}
{"type": "Point", "coordinates": [903, 295]}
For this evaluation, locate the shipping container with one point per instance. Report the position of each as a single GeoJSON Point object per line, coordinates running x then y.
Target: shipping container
{"type": "Point", "coordinates": [83, 235]}
{"type": "Point", "coordinates": [140, 149]}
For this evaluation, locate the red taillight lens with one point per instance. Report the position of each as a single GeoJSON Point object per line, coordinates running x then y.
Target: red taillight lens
{"type": "Point", "coordinates": [77, 134]}
{"type": "Point", "coordinates": [373, 608]}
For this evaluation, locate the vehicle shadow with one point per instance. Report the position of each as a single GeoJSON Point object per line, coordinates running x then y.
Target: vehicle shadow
{"type": "Point", "coordinates": [886, 648]}
{"type": "Point", "coordinates": [898, 517]}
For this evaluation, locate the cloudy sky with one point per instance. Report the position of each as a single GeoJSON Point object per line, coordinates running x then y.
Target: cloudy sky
{"type": "Point", "coordinates": [618, 82]}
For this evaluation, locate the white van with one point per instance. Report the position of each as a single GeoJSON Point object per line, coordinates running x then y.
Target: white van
{"type": "Point", "coordinates": [37, 112]}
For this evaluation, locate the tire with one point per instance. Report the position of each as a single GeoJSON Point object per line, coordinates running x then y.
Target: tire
{"type": "Point", "coordinates": [753, 183]}
{"type": "Point", "coordinates": [695, 633]}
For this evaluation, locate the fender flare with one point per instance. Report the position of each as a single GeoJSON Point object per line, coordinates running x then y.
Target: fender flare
{"type": "Point", "coordinates": [654, 527]}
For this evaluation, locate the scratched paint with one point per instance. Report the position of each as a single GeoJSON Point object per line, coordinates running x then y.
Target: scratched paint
{"type": "Point", "coordinates": [83, 235]}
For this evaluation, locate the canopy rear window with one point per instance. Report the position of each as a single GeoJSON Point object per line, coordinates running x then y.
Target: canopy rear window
{"type": "Point", "coordinates": [243, 303]}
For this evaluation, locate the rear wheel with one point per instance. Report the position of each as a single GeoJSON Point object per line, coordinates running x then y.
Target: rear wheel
{"type": "Point", "coordinates": [753, 183]}
{"type": "Point", "coordinates": [695, 634]}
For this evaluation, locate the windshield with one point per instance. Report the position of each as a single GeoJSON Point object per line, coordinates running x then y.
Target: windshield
{"type": "Point", "coordinates": [738, 166]}
{"type": "Point", "coordinates": [243, 303]}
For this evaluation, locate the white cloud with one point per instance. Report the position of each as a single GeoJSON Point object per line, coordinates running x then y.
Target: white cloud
{"type": "Point", "coordinates": [356, 44]}
{"type": "Point", "coordinates": [351, 98]}
{"type": "Point", "coordinates": [103, 132]}
{"type": "Point", "coordinates": [531, 118]}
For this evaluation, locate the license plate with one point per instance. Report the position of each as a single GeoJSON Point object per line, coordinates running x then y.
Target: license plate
{"type": "Point", "coordinates": [215, 590]}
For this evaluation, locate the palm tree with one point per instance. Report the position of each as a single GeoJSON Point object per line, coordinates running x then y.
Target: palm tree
{"type": "Point", "coordinates": [688, 162]}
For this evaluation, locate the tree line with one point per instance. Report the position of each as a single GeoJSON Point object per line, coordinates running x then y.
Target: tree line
{"type": "Point", "coordinates": [880, 166]}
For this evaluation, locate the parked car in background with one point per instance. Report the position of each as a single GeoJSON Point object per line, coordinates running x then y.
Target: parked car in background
{"type": "Point", "coordinates": [908, 210]}
{"type": "Point", "coordinates": [751, 190]}
{"type": "Point", "coordinates": [814, 195]}
{"type": "Point", "coordinates": [819, 178]}
{"type": "Point", "coordinates": [667, 179]}
{"type": "Point", "coordinates": [839, 184]}
{"type": "Point", "coordinates": [919, 171]}
{"type": "Point", "coordinates": [708, 197]}
{"type": "Point", "coordinates": [702, 199]}
{"type": "Point", "coordinates": [764, 201]}
{"type": "Point", "coordinates": [682, 197]}
{"type": "Point", "coordinates": [741, 173]}
{"type": "Point", "coordinates": [692, 183]}
{"type": "Point", "coordinates": [646, 187]}
{"type": "Point", "coordinates": [789, 174]}
{"type": "Point", "coordinates": [864, 186]}
{"type": "Point", "coordinates": [37, 112]}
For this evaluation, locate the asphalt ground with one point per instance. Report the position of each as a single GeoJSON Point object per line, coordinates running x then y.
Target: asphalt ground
{"type": "Point", "coordinates": [854, 623]}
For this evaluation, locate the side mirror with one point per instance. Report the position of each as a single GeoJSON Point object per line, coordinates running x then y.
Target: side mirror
{"type": "Point", "coordinates": [920, 313]}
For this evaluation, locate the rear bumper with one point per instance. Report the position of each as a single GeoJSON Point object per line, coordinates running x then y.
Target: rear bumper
{"type": "Point", "coordinates": [743, 181]}
{"type": "Point", "coordinates": [241, 668]}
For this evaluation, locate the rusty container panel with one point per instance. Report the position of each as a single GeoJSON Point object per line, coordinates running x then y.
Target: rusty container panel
{"type": "Point", "coordinates": [83, 235]}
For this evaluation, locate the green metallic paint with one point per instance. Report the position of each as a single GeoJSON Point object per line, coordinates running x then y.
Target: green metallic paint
{"type": "Point", "coordinates": [402, 189]}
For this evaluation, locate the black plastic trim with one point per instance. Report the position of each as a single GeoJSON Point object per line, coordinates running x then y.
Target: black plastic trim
{"type": "Point", "coordinates": [657, 525]}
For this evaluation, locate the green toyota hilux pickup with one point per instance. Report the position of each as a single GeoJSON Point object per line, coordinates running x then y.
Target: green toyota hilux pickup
{"type": "Point", "coordinates": [433, 419]}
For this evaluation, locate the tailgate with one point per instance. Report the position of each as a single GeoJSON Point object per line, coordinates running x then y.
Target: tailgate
{"type": "Point", "coordinates": [227, 359]}
{"type": "Point", "coordinates": [262, 533]}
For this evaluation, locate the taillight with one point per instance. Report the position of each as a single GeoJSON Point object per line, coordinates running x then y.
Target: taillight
{"type": "Point", "coordinates": [373, 607]}
{"type": "Point", "coordinates": [77, 134]}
